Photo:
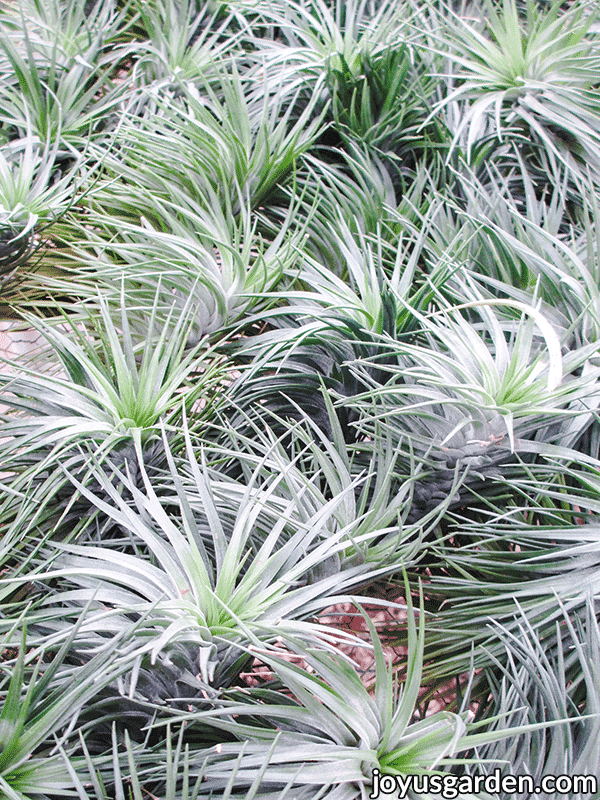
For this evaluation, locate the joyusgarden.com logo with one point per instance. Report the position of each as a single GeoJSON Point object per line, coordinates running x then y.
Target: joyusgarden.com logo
{"type": "Point", "coordinates": [453, 786]}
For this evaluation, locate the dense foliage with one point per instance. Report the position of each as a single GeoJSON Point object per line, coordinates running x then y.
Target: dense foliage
{"type": "Point", "coordinates": [319, 286]}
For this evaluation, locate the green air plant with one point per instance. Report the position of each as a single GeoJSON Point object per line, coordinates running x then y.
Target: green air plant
{"type": "Point", "coordinates": [184, 39]}
{"type": "Point", "coordinates": [304, 41]}
{"type": "Point", "coordinates": [382, 104]}
{"type": "Point", "coordinates": [43, 693]}
{"type": "Point", "coordinates": [501, 365]}
{"type": "Point", "coordinates": [359, 190]}
{"type": "Point", "coordinates": [123, 385]}
{"type": "Point", "coordinates": [86, 31]}
{"type": "Point", "coordinates": [59, 86]}
{"type": "Point", "coordinates": [211, 147]}
{"type": "Point", "coordinates": [110, 386]}
{"type": "Point", "coordinates": [529, 79]}
{"type": "Point", "coordinates": [472, 395]}
{"type": "Point", "coordinates": [214, 261]}
{"type": "Point", "coordinates": [212, 563]}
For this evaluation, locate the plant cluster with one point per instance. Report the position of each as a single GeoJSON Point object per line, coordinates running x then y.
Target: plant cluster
{"type": "Point", "coordinates": [318, 283]}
